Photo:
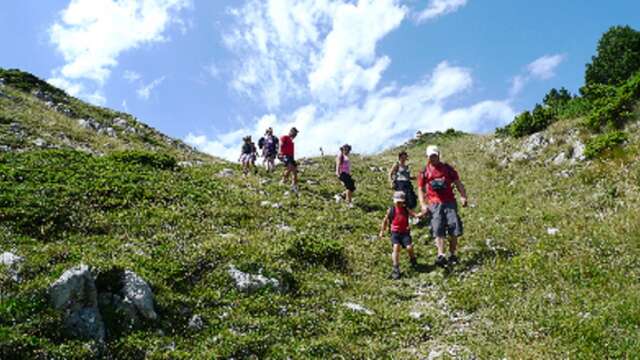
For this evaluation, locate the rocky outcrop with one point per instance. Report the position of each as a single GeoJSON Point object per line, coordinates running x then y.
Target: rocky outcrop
{"type": "Point", "coordinates": [75, 294]}
{"type": "Point", "coordinates": [249, 283]}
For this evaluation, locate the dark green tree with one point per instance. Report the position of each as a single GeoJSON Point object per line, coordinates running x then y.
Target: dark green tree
{"type": "Point", "coordinates": [617, 58]}
{"type": "Point", "coordinates": [556, 99]}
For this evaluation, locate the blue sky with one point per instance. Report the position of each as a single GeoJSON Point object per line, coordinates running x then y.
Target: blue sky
{"type": "Point", "coordinates": [367, 72]}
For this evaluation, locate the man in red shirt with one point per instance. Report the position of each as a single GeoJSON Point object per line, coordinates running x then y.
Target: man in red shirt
{"type": "Point", "coordinates": [436, 195]}
{"type": "Point", "coordinates": [287, 157]}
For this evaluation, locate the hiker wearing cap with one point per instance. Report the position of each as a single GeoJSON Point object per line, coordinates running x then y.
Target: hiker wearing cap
{"type": "Point", "coordinates": [343, 172]}
{"type": "Point", "coordinates": [400, 179]}
{"type": "Point", "coordinates": [247, 155]}
{"type": "Point", "coordinates": [397, 220]}
{"type": "Point", "coordinates": [287, 157]}
{"type": "Point", "coordinates": [269, 145]}
{"type": "Point", "coordinates": [436, 196]}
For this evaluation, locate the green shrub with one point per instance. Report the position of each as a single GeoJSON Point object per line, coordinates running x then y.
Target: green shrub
{"type": "Point", "coordinates": [153, 160]}
{"type": "Point", "coordinates": [317, 250]}
{"type": "Point", "coordinates": [531, 122]}
{"type": "Point", "coordinates": [614, 111]}
{"type": "Point", "coordinates": [28, 82]}
{"type": "Point", "coordinates": [604, 142]}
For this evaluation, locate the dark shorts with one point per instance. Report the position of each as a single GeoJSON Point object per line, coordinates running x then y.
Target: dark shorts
{"type": "Point", "coordinates": [348, 182]}
{"type": "Point", "coordinates": [403, 240]}
{"type": "Point", "coordinates": [289, 161]}
{"type": "Point", "coordinates": [445, 220]}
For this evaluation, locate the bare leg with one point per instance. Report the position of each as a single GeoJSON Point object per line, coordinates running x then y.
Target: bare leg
{"type": "Point", "coordinates": [395, 255]}
{"type": "Point", "coordinates": [348, 196]}
{"type": "Point", "coordinates": [440, 245]}
{"type": "Point", "coordinates": [453, 245]}
{"type": "Point", "coordinates": [410, 252]}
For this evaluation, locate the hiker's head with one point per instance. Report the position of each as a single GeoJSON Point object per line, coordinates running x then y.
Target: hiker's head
{"type": "Point", "coordinates": [346, 148]}
{"type": "Point", "coordinates": [403, 156]}
{"type": "Point", "coordinates": [269, 131]}
{"type": "Point", "coordinates": [433, 154]}
{"type": "Point", "coordinates": [293, 132]}
{"type": "Point", "coordinates": [247, 139]}
{"type": "Point", "coordinates": [398, 198]}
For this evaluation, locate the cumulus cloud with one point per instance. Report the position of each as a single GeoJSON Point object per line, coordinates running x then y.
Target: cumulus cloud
{"type": "Point", "coordinates": [320, 49]}
{"type": "Point", "coordinates": [320, 59]}
{"type": "Point", "coordinates": [91, 34]}
{"type": "Point", "coordinates": [384, 118]}
{"type": "Point", "coordinates": [437, 8]}
{"type": "Point", "coordinates": [543, 68]}
{"type": "Point", "coordinates": [144, 92]}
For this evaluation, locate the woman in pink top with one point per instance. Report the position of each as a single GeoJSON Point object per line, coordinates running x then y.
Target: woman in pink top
{"type": "Point", "coordinates": [343, 172]}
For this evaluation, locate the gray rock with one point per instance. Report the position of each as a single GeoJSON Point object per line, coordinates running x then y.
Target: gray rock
{"type": "Point", "coordinates": [2, 81]}
{"type": "Point", "coordinates": [504, 163]}
{"type": "Point", "coordinates": [577, 153]}
{"type": "Point", "coordinates": [75, 294]}
{"type": "Point", "coordinates": [137, 292]}
{"type": "Point", "coordinates": [39, 142]}
{"type": "Point", "coordinates": [560, 159]}
{"type": "Point", "coordinates": [535, 142]}
{"type": "Point", "coordinates": [109, 131]}
{"type": "Point", "coordinates": [120, 122]}
{"type": "Point", "coordinates": [89, 124]}
{"type": "Point", "coordinates": [226, 173]}
{"type": "Point", "coordinates": [185, 164]}
{"type": "Point", "coordinates": [196, 323]}
{"type": "Point", "coordinates": [13, 263]}
{"type": "Point", "coordinates": [520, 156]}
{"type": "Point", "coordinates": [5, 148]}
{"type": "Point", "coordinates": [249, 283]}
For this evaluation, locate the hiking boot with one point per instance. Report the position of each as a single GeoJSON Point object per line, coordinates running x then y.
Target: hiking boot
{"type": "Point", "coordinates": [395, 273]}
{"type": "Point", "coordinates": [441, 261]}
{"type": "Point", "coordinates": [294, 188]}
{"type": "Point", "coordinates": [453, 259]}
{"type": "Point", "coordinates": [414, 263]}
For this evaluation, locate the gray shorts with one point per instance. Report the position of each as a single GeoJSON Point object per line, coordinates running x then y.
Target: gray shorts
{"type": "Point", "coordinates": [445, 220]}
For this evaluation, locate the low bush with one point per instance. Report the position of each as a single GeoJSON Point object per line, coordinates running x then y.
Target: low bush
{"type": "Point", "coordinates": [604, 142]}
{"type": "Point", "coordinates": [318, 250]}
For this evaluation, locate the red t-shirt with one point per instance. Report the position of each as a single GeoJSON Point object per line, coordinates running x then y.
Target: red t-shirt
{"type": "Point", "coordinates": [400, 222]}
{"type": "Point", "coordinates": [441, 172]}
{"type": "Point", "coordinates": [286, 146]}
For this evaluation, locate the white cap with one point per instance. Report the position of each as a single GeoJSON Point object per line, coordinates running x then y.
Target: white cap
{"type": "Point", "coordinates": [398, 196]}
{"type": "Point", "coordinates": [433, 150]}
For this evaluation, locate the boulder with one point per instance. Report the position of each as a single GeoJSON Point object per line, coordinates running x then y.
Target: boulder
{"type": "Point", "coordinates": [136, 291]}
{"type": "Point", "coordinates": [120, 122]}
{"type": "Point", "coordinates": [75, 294]}
{"type": "Point", "coordinates": [560, 159]}
{"type": "Point", "coordinates": [12, 263]}
{"type": "Point", "coordinates": [249, 283]}
{"type": "Point", "coordinates": [109, 131]}
{"type": "Point", "coordinates": [535, 142]}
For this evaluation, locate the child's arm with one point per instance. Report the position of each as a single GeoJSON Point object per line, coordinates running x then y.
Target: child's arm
{"type": "Point", "coordinates": [385, 224]}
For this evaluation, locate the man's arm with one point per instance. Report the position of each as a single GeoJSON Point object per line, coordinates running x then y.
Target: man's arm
{"type": "Point", "coordinates": [463, 193]}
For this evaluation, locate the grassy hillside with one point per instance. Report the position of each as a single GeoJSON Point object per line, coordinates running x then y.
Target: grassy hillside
{"type": "Point", "coordinates": [36, 115]}
{"type": "Point", "coordinates": [521, 290]}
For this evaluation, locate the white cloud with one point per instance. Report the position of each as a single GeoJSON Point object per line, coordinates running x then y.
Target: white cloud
{"type": "Point", "coordinates": [131, 76]}
{"type": "Point", "coordinates": [543, 68]}
{"type": "Point", "coordinates": [91, 34]}
{"type": "Point", "coordinates": [302, 49]}
{"type": "Point", "coordinates": [440, 7]}
{"type": "Point", "coordinates": [144, 92]}
{"type": "Point", "coordinates": [384, 118]}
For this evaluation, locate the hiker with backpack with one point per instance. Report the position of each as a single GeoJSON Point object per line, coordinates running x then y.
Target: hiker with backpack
{"type": "Point", "coordinates": [400, 180]}
{"type": "Point", "coordinates": [343, 172]}
{"type": "Point", "coordinates": [436, 196]}
{"type": "Point", "coordinates": [247, 155]}
{"type": "Point", "coordinates": [287, 157]}
{"type": "Point", "coordinates": [397, 220]}
{"type": "Point", "coordinates": [269, 145]}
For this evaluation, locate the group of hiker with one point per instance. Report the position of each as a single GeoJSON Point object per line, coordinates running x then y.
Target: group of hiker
{"type": "Point", "coordinates": [438, 205]}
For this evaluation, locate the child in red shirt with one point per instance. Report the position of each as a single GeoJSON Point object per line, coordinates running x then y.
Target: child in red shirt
{"type": "Point", "coordinates": [397, 219]}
